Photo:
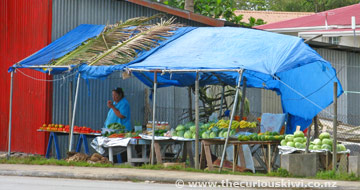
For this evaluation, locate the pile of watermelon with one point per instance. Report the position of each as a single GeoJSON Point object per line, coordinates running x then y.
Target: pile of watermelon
{"type": "Point", "coordinates": [324, 142]}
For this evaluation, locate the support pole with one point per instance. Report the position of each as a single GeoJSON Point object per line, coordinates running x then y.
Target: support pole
{"type": "Point", "coordinates": [197, 121]}
{"type": "Point", "coordinates": [10, 114]}
{"type": "Point", "coordinates": [222, 101]}
{"type": "Point", "coordinates": [190, 104]}
{"type": "Point", "coordinates": [73, 116]}
{"type": "Point", "coordinates": [153, 120]}
{"type": "Point", "coordinates": [335, 128]}
{"type": "Point", "coordinates": [70, 104]}
{"type": "Point", "coordinates": [308, 139]}
{"type": "Point", "coordinates": [243, 96]}
{"type": "Point", "coordinates": [316, 127]}
{"type": "Point", "coordinates": [231, 119]}
{"type": "Point", "coordinates": [70, 101]}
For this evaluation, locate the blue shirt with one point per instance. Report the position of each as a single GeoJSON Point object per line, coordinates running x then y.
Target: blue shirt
{"type": "Point", "coordinates": [124, 108]}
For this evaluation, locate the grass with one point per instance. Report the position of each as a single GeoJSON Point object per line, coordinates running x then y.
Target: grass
{"type": "Point", "coordinates": [337, 176]}
{"type": "Point", "coordinates": [39, 160]}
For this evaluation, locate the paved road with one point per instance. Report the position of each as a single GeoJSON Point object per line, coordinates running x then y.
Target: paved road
{"type": "Point", "coordinates": [41, 183]}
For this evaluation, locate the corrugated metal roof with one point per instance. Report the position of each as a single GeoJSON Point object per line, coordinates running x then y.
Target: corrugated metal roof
{"type": "Point", "coordinates": [340, 16]}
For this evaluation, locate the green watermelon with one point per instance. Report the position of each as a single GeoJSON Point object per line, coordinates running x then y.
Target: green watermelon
{"type": "Point", "coordinates": [180, 128]}
{"type": "Point", "coordinates": [291, 144]}
{"type": "Point", "coordinates": [324, 135]}
{"type": "Point", "coordinates": [298, 134]}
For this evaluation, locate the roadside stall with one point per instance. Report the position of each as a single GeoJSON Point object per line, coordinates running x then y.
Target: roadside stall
{"type": "Point", "coordinates": [210, 56]}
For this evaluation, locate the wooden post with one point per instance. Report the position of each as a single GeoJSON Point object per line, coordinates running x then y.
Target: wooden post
{"type": "Point", "coordinates": [222, 101]}
{"type": "Point", "coordinates": [197, 121]}
{"type": "Point", "coordinates": [308, 139]}
{"type": "Point", "coordinates": [243, 96]}
{"type": "Point", "coordinates": [190, 104]}
{"type": "Point", "coordinates": [316, 127]}
{"type": "Point", "coordinates": [146, 106]}
{"type": "Point", "coordinates": [153, 120]}
{"type": "Point", "coordinates": [335, 128]}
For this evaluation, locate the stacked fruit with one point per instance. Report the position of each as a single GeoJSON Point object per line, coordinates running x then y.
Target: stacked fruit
{"type": "Point", "coordinates": [66, 128]}
{"type": "Point", "coordinates": [324, 142]}
{"type": "Point", "coordinates": [53, 127]}
{"type": "Point", "coordinates": [234, 125]}
{"type": "Point", "coordinates": [297, 140]}
{"type": "Point", "coordinates": [206, 131]}
{"type": "Point", "coordinates": [267, 136]}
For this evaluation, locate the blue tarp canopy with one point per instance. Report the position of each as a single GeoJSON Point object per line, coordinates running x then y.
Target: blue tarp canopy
{"type": "Point", "coordinates": [281, 63]}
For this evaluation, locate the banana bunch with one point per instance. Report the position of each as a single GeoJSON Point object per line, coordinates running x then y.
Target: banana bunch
{"type": "Point", "coordinates": [245, 124]}
{"type": "Point", "coordinates": [234, 125]}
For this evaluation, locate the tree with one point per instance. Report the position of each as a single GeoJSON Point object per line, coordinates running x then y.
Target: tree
{"type": "Point", "coordinates": [216, 9]}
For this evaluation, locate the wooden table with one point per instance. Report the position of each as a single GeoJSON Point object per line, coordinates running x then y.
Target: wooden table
{"type": "Point", "coordinates": [158, 144]}
{"type": "Point", "coordinates": [187, 150]}
{"type": "Point", "coordinates": [206, 153]}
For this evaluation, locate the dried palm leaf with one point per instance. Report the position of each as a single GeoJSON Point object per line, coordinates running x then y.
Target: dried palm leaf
{"type": "Point", "coordinates": [126, 51]}
{"type": "Point", "coordinates": [110, 36]}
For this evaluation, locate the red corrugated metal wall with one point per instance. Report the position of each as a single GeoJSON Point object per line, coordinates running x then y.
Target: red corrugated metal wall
{"type": "Point", "coordinates": [25, 27]}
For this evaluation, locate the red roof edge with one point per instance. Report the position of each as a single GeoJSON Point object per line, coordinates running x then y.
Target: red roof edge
{"type": "Point", "coordinates": [180, 13]}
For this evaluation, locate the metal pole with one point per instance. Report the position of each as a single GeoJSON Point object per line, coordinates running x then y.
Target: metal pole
{"type": "Point", "coordinates": [231, 119]}
{"type": "Point", "coordinates": [197, 121]}
{"type": "Point", "coordinates": [335, 127]}
{"type": "Point", "coordinates": [10, 113]}
{"type": "Point", "coordinates": [222, 101]}
{"type": "Point", "coordinates": [70, 101]}
{"type": "Point", "coordinates": [153, 120]}
{"type": "Point", "coordinates": [243, 96]}
{"type": "Point", "coordinates": [70, 104]}
{"type": "Point", "coordinates": [74, 111]}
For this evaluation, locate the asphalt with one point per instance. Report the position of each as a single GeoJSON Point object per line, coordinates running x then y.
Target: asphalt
{"type": "Point", "coordinates": [156, 176]}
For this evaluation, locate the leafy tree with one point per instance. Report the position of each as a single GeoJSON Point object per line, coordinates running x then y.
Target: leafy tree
{"type": "Point", "coordinates": [217, 9]}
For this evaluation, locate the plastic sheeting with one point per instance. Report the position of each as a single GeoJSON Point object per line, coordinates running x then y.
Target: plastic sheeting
{"type": "Point", "coordinates": [60, 47]}
{"type": "Point", "coordinates": [284, 64]}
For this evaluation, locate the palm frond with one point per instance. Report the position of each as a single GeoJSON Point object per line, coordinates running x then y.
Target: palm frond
{"type": "Point", "coordinates": [145, 39]}
{"type": "Point", "coordinates": [110, 36]}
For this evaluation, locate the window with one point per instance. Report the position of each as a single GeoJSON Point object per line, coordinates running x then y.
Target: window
{"type": "Point", "coordinates": [334, 40]}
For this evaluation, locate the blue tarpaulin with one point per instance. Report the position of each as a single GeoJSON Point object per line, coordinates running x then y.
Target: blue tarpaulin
{"type": "Point", "coordinates": [61, 47]}
{"type": "Point", "coordinates": [281, 63]}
